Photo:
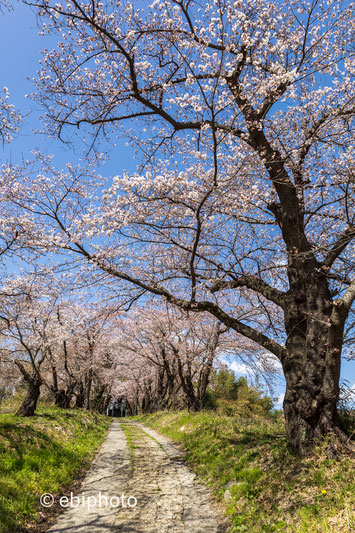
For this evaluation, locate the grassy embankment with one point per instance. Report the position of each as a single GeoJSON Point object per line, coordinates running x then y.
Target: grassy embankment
{"type": "Point", "coordinates": [42, 454]}
{"type": "Point", "coordinates": [263, 485]}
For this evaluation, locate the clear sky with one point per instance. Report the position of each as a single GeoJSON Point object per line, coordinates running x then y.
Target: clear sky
{"type": "Point", "coordinates": [20, 47]}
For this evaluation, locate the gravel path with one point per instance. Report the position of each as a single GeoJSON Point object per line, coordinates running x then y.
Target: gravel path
{"type": "Point", "coordinates": [151, 469]}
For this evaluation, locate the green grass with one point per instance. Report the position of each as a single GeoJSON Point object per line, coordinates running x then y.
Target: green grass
{"type": "Point", "coordinates": [127, 432]}
{"type": "Point", "coordinates": [42, 454]}
{"type": "Point", "coordinates": [263, 485]}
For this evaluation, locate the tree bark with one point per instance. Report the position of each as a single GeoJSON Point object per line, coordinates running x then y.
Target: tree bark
{"type": "Point", "coordinates": [60, 395]}
{"type": "Point", "coordinates": [310, 403]}
{"type": "Point", "coordinates": [312, 362]}
{"type": "Point", "coordinates": [29, 404]}
{"type": "Point", "coordinates": [99, 399]}
{"type": "Point", "coordinates": [59, 398]}
{"type": "Point", "coordinates": [80, 396]}
{"type": "Point", "coordinates": [191, 400]}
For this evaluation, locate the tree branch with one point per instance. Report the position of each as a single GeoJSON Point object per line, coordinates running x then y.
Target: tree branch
{"type": "Point", "coordinates": [255, 284]}
{"type": "Point", "coordinates": [341, 307]}
{"type": "Point", "coordinates": [340, 245]}
{"type": "Point", "coordinates": [245, 330]}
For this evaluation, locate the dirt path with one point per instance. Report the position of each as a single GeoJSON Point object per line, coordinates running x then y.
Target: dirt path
{"type": "Point", "coordinates": [165, 496]}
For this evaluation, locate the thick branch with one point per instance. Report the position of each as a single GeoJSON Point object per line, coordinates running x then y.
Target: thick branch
{"type": "Point", "coordinates": [340, 245]}
{"type": "Point", "coordinates": [341, 307]}
{"type": "Point", "coordinates": [349, 296]}
{"type": "Point", "coordinates": [23, 371]}
{"type": "Point", "coordinates": [255, 284]}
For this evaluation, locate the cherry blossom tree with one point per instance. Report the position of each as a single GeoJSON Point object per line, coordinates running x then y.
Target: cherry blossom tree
{"type": "Point", "coordinates": [79, 354]}
{"type": "Point", "coordinates": [164, 356]}
{"type": "Point", "coordinates": [242, 206]}
{"type": "Point", "coordinates": [92, 355]}
{"type": "Point", "coordinates": [177, 349]}
{"type": "Point", "coordinates": [60, 344]}
{"type": "Point", "coordinates": [24, 326]}
{"type": "Point", "coordinates": [58, 374]}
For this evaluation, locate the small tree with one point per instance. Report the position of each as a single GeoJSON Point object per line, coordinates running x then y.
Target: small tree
{"type": "Point", "coordinates": [24, 321]}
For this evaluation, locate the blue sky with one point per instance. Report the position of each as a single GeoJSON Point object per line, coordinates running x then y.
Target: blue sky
{"type": "Point", "coordinates": [20, 53]}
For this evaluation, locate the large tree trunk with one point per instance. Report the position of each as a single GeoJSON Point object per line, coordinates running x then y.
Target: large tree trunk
{"type": "Point", "coordinates": [312, 364]}
{"type": "Point", "coordinates": [59, 398]}
{"type": "Point", "coordinates": [99, 400]}
{"type": "Point", "coordinates": [205, 372]}
{"type": "Point", "coordinates": [62, 397]}
{"type": "Point", "coordinates": [69, 395]}
{"type": "Point", "coordinates": [312, 393]}
{"type": "Point", "coordinates": [191, 400]}
{"type": "Point", "coordinates": [80, 396]}
{"type": "Point", "coordinates": [29, 404]}
{"type": "Point", "coordinates": [161, 389]}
